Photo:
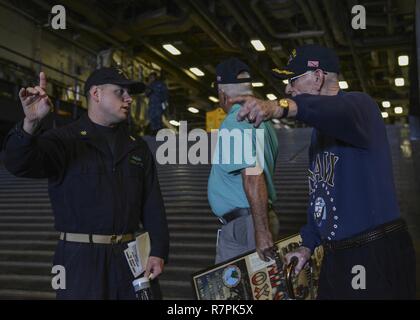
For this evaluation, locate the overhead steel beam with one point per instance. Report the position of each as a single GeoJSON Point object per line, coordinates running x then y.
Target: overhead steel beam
{"type": "Point", "coordinates": [307, 13]}
{"type": "Point", "coordinates": [264, 72]}
{"type": "Point", "coordinates": [332, 7]}
{"type": "Point", "coordinates": [244, 23]}
{"type": "Point", "coordinates": [345, 21]}
{"type": "Point", "coordinates": [170, 65]}
{"type": "Point", "coordinates": [283, 35]}
{"type": "Point", "coordinates": [93, 30]}
{"type": "Point", "coordinates": [206, 23]}
{"type": "Point", "coordinates": [35, 20]}
{"type": "Point", "coordinates": [319, 18]}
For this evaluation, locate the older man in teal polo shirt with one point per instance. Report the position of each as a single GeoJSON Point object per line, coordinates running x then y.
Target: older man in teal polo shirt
{"type": "Point", "coordinates": [241, 188]}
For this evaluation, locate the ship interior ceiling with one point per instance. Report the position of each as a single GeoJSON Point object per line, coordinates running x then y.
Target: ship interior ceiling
{"type": "Point", "coordinates": [183, 41]}
{"type": "Point", "coordinates": [205, 32]}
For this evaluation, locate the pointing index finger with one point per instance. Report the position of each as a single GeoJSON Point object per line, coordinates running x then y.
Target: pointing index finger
{"type": "Point", "coordinates": [42, 80]}
{"type": "Point", "coordinates": [243, 112]}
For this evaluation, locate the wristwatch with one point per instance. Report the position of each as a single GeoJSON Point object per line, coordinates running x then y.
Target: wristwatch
{"type": "Point", "coordinates": [284, 104]}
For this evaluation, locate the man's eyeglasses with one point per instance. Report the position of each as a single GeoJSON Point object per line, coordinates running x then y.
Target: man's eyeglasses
{"type": "Point", "coordinates": [292, 80]}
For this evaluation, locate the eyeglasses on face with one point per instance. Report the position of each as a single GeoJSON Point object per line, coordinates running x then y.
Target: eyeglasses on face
{"type": "Point", "coordinates": [292, 80]}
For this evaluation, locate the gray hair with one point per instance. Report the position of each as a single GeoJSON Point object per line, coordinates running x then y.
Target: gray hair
{"type": "Point", "coordinates": [331, 77]}
{"type": "Point", "coordinates": [233, 90]}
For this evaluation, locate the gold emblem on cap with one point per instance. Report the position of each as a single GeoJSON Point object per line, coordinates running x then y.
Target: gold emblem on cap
{"type": "Point", "coordinates": [292, 56]}
{"type": "Point", "coordinates": [83, 133]}
{"type": "Point", "coordinates": [287, 72]}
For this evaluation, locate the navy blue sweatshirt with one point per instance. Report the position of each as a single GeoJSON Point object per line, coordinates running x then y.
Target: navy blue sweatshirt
{"type": "Point", "coordinates": [351, 186]}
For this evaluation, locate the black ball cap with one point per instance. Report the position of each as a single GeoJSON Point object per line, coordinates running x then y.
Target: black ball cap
{"type": "Point", "coordinates": [306, 58]}
{"type": "Point", "coordinates": [113, 76]}
{"type": "Point", "coordinates": [228, 70]}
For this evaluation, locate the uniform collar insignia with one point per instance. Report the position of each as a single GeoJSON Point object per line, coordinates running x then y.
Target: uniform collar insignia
{"type": "Point", "coordinates": [136, 160]}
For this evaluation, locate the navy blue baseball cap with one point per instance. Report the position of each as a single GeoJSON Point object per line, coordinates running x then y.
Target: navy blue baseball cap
{"type": "Point", "coordinates": [306, 58]}
{"type": "Point", "coordinates": [228, 70]}
{"type": "Point", "coordinates": [113, 76]}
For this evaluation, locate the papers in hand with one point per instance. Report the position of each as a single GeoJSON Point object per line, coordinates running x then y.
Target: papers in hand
{"type": "Point", "coordinates": [137, 253]}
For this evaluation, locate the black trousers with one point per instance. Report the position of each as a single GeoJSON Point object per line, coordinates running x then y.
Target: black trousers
{"type": "Point", "coordinates": [96, 272]}
{"type": "Point", "coordinates": [389, 266]}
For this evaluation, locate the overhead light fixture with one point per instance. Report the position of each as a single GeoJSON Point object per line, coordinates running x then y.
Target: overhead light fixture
{"type": "Point", "coordinates": [271, 96]}
{"type": "Point", "coordinates": [214, 99]}
{"type": "Point", "coordinates": [384, 115]}
{"type": "Point", "coordinates": [258, 45]}
{"type": "Point", "coordinates": [386, 104]}
{"type": "Point", "coordinates": [399, 82]}
{"type": "Point", "coordinates": [197, 72]}
{"type": "Point", "coordinates": [171, 49]}
{"type": "Point", "coordinates": [286, 81]}
{"type": "Point", "coordinates": [343, 84]}
{"type": "Point", "coordinates": [398, 110]}
{"type": "Point", "coordinates": [258, 84]}
{"type": "Point", "coordinates": [174, 123]}
{"type": "Point", "coordinates": [276, 121]}
{"type": "Point", "coordinates": [193, 110]}
{"type": "Point", "coordinates": [403, 61]}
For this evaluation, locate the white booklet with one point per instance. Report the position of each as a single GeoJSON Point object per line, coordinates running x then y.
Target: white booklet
{"type": "Point", "coordinates": [137, 253]}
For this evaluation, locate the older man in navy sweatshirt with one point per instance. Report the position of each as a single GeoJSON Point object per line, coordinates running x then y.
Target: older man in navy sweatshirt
{"type": "Point", "coordinates": [353, 210]}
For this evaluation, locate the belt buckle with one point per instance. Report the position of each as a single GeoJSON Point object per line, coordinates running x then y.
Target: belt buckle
{"type": "Point", "coordinates": [358, 243]}
{"type": "Point", "coordinates": [114, 239]}
{"type": "Point", "coordinates": [328, 246]}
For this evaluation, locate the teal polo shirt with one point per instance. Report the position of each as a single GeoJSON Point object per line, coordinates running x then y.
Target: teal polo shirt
{"type": "Point", "coordinates": [240, 146]}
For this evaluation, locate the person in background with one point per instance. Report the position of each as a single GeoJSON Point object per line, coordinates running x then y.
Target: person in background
{"type": "Point", "coordinates": [157, 92]}
{"type": "Point", "coordinates": [242, 201]}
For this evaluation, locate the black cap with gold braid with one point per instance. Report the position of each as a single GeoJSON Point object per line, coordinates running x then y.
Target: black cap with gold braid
{"type": "Point", "coordinates": [308, 57]}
